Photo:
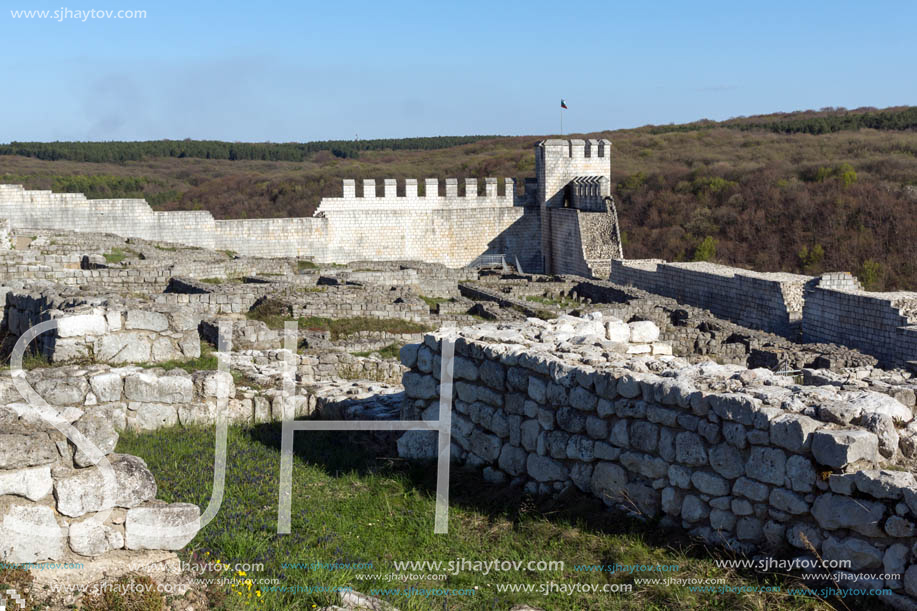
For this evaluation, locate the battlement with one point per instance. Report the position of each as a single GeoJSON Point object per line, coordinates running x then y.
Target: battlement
{"type": "Point", "coordinates": [370, 195]}
{"type": "Point", "coordinates": [431, 188]}
{"type": "Point", "coordinates": [574, 148]}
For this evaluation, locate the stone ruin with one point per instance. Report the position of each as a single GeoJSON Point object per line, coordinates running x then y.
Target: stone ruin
{"type": "Point", "coordinates": [768, 413]}
{"type": "Point", "coordinates": [741, 458]}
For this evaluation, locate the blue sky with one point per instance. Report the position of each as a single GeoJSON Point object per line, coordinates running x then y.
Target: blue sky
{"type": "Point", "coordinates": [294, 71]}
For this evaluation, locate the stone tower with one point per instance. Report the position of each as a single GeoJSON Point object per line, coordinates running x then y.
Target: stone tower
{"type": "Point", "coordinates": [558, 163]}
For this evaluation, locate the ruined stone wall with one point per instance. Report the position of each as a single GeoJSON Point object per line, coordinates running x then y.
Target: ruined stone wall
{"type": "Point", "coordinates": [102, 330]}
{"type": "Point", "coordinates": [768, 301]}
{"type": "Point", "coordinates": [50, 488]}
{"type": "Point", "coordinates": [881, 324]}
{"type": "Point", "coordinates": [736, 457]}
{"type": "Point", "coordinates": [829, 309]}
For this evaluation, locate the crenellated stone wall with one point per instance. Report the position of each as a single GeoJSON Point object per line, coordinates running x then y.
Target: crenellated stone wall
{"type": "Point", "coordinates": [741, 458]}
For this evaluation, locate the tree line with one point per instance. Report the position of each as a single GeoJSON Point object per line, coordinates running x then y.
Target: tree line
{"type": "Point", "coordinates": [824, 123]}
{"type": "Point", "coordinates": [119, 151]}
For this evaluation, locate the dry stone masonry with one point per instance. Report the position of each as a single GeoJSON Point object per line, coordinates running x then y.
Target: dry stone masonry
{"type": "Point", "coordinates": [832, 308]}
{"type": "Point", "coordinates": [741, 458]}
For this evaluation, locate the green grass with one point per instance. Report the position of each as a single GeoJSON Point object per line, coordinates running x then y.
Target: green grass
{"type": "Point", "coordinates": [229, 253]}
{"type": "Point", "coordinates": [166, 248]}
{"type": "Point", "coordinates": [207, 361]}
{"type": "Point", "coordinates": [392, 351]}
{"type": "Point", "coordinates": [274, 314]}
{"type": "Point", "coordinates": [343, 327]}
{"type": "Point", "coordinates": [116, 255]}
{"type": "Point", "coordinates": [563, 302]}
{"type": "Point", "coordinates": [432, 302]}
{"type": "Point", "coordinates": [349, 505]}
{"type": "Point", "coordinates": [219, 280]}
{"type": "Point", "coordinates": [304, 265]}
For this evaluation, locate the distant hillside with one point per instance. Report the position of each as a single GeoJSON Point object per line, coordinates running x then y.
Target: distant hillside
{"type": "Point", "coordinates": [102, 152]}
{"type": "Point", "coordinates": [803, 192]}
{"type": "Point", "coordinates": [824, 121]}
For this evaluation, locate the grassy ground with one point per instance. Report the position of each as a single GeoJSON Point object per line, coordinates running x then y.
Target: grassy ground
{"type": "Point", "coordinates": [563, 302]}
{"type": "Point", "coordinates": [350, 506]}
{"type": "Point", "coordinates": [207, 361]}
{"type": "Point", "coordinates": [392, 351]}
{"type": "Point", "coordinates": [274, 314]}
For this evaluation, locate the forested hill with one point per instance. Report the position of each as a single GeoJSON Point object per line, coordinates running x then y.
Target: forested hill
{"type": "Point", "coordinates": [98, 152]}
{"type": "Point", "coordinates": [804, 192]}
{"type": "Point", "coordinates": [823, 121]}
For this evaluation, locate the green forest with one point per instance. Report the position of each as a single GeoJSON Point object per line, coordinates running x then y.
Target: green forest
{"type": "Point", "coordinates": [804, 192]}
{"type": "Point", "coordinates": [101, 152]}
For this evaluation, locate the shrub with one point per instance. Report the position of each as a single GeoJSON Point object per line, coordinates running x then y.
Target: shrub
{"type": "Point", "coordinates": [706, 250]}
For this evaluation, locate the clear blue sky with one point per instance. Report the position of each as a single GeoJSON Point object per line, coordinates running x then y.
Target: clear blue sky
{"type": "Point", "coordinates": [291, 70]}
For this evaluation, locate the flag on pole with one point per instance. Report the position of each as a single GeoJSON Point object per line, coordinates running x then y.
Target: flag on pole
{"type": "Point", "coordinates": [563, 104]}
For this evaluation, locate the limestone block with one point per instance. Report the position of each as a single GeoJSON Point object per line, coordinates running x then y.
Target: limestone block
{"type": "Point", "coordinates": [879, 403]}
{"type": "Point", "coordinates": [793, 432]}
{"type": "Point", "coordinates": [726, 460]}
{"type": "Point", "coordinates": [708, 483]}
{"type": "Point", "coordinates": [33, 484]}
{"type": "Point", "coordinates": [643, 332]}
{"type": "Point", "coordinates": [216, 384]}
{"type": "Point", "coordinates": [617, 331]}
{"type": "Point", "coordinates": [693, 509]}
{"type": "Point", "coordinates": [419, 386]}
{"type": "Point", "coordinates": [99, 431]}
{"type": "Point", "coordinates": [608, 481]}
{"type": "Point", "coordinates": [884, 484]}
{"type": "Point", "coordinates": [107, 387]}
{"type": "Point", "coordinates": [408, 355]}
{"type": "Point", "coordinates": [883, 426]}
{"type": "Point", "coordinates": [545, 469]}
{"type": "Point", "coordinates": [62, 391]}
{"type": "Point", "coordinates": [859, 553]}
{"type": "Point", "coordinates": [151, 416]}
{"type": "Point", "coordinates": [164, 349]}
{"type": "Point", "coordinates": [689, 449]}
{"type": "Point", "coordinates": [513, 460]}
{"type": "Point", "coordinates": [767, 465]}
{"type": "Point", "coordinates": [787, 501]}
{"type": "Point", "coordinates": [833, 512]}
{"type": "Point", "coordinates": [85, 491]}
{"type": "Point", "coordinates": [839, 448]}
{"type": "Point", "coordinates": [29, 533]}
{"type": "Point", "coordinates": [18, 451]}
{"type": "Point", "coordinates": [81, 325]}
{"type": "Point", "coordinates": [147, 321]}
{"type": "Point", "coordinates": [122, 348]}
{"type": "Point", "coordinates": [87, 539]}
{"type": "Point", "coordinates": [418, 445]}
{"type": "Point", "coordinates": [161, 526]}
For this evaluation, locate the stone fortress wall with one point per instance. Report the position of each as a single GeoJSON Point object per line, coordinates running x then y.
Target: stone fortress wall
{"type": "Point", "coordinates": [452, 229]}
{"type": "Point", "coordinates": [740, 458]}
{"type": "Point", "coordinates": [560, 224]}
{"type": "Point", "coordinates": [832, 308]}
